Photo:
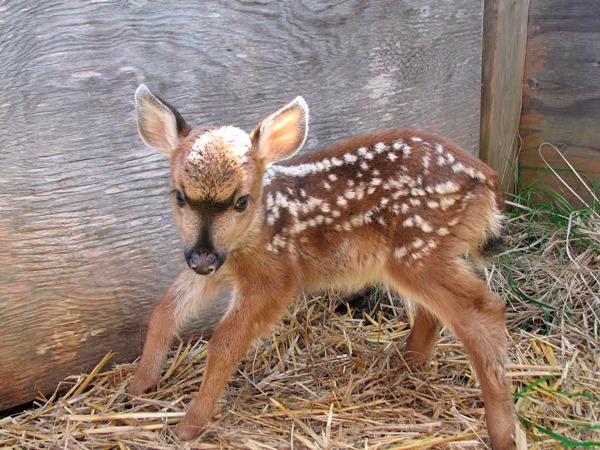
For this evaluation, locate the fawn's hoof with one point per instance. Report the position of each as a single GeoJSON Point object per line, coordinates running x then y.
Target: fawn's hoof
{"type": "Point", "coordinates": [134, 389]}
{"type": "Point", "coordinates": [138, 386]}
{"type": "Point", "coordinates": [186, 431]}
{"type": "Point", "coordinates": [416, 360]}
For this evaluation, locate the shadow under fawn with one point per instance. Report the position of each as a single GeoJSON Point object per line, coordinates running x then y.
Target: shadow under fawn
{"type": "Point", "coordinates": [400, 207]}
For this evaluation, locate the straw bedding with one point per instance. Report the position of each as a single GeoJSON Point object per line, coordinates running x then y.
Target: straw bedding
{"type": "Point", "coordinates": [333, 376]}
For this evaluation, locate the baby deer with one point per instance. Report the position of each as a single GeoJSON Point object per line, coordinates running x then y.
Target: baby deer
{"type": "Point", "coordinates": [400, 207]}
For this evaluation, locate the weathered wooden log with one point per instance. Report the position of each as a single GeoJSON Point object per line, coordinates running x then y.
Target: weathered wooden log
{"type": "Point", "coordinates": [86, 240]}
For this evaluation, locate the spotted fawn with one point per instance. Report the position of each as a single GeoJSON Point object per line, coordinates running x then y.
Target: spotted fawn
{"type": "Point", "coordinates": [400, 207]}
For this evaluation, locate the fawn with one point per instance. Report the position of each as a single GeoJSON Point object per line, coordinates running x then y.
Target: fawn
{"type": "Point", "coordinates": [401, 207]}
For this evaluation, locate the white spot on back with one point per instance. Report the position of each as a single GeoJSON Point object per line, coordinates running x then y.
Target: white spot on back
{"type": "Point", "coordinates": [270, 201]}
{"type": "Point", "coordinates": [400, 252]}
{"type": "Point", "coordinates": [447, 187]}
{"type": "Point", "coordinates": [350, 194]}
{"type": "Point", "coordinates": [350, 158]}
{"type": "Point", "coordinates": [356, 221]}
{"type": "Point", "coordinates": [447, 202]}
{"type": "Point", "coordinates": [417, 243]}
{"type": "Point", "coordinates": [380, 147]}
{"type": "Point", "coordinates": [461, 168]}
{"type": "Point", "coordinates": [443, 231]}
{"type": "Point", "coordinates": [418, 221]}
{"type": "Point", "coordinates": [426, 161]}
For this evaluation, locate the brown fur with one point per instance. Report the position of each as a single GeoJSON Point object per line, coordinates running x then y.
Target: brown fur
{"type": "Point", "coordinates": [380, 208]}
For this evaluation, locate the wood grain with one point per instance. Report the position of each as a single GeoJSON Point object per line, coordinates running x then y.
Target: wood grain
{"type": "Point", "coordinates": [87, 245]}
{"type": "Point", "coordinates": [561, 95]}
{"type": "Point", "coordinates": [504, 41]}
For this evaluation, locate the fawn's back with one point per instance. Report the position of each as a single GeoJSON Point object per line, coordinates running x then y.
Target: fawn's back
{"type": "Point", "coordinates": [340, 215]}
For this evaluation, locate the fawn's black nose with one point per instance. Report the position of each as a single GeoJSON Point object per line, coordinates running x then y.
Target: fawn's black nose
{"type": "Point", "coordinates": [203, 263]}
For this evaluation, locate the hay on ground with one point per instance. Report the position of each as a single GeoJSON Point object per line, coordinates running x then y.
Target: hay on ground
{"type": "Point", "coordinates": [327, 379]}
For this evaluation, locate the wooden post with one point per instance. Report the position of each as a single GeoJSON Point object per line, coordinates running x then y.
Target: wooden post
{"type": "Point", "coordinates": [504, 42]}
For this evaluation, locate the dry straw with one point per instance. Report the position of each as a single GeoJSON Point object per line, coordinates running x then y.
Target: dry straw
{"type": "Point", "coordinates": [337, 379]}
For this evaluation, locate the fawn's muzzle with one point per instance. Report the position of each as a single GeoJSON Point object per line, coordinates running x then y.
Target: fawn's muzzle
{"type": "Point", "coordinates": [204, 263]}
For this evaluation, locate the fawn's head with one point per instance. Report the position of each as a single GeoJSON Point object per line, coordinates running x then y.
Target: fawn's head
{"type": "Point", "coordinates": [216, 172]}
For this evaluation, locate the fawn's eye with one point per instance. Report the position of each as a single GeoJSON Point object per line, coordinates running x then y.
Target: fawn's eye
{"type": "Point", "coordinates": [242, 203]}
{"type": "Point", "coordinates": [179, 199]}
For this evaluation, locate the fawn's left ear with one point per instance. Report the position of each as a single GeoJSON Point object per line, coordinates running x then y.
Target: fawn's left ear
{"type": "Point", "coordinates": [281, 134]}
{"type": "Point", "coordinates": [160, 125]}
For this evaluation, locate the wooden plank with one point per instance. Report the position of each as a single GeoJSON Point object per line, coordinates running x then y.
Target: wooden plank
{"type": "Point", "coordinates": [87, 245]}
{"type": "Point", "coordinates": [561, 99]}
{"type": "Point", "coordinates": [504, 41]}
{"type": "Point", "coordinates": [546, 182]}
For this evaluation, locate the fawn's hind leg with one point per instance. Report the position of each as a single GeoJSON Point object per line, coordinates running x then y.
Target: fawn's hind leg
{"type": "Point", "coordinates": [424, 332]}
{"type": "Point", "coordinates": [476, 315]}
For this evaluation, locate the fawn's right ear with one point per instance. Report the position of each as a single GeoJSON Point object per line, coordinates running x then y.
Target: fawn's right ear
{"type": "Point", "coordinates": [160, 125]}
{"type": "Point", "coordinates": [281, 134]}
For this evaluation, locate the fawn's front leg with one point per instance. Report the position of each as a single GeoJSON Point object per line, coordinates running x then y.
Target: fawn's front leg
{"type": "Point", "coordinates": [188, 294]}
{"type": "Point", "coordinates": [253, 315]}
{"type": "Point", "coordinates": [161, 329]}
